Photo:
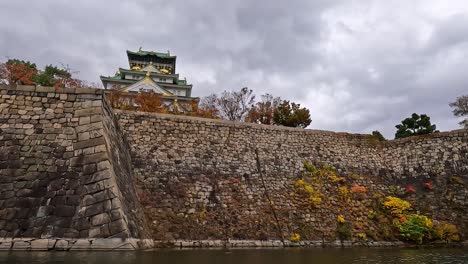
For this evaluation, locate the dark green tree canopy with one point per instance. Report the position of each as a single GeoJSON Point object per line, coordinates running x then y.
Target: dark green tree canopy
{"type": "Point", "coordinates": [28, 64]}
{"type": "Point", "coordinates": [292, 115]}
{"type": "Point", "coordinates": [415, 125]}
{"type": "Point", "coordinates": [51, 75]}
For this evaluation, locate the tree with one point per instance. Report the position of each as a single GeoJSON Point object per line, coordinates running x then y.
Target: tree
{"type": "Point", "coordinates": [53, 76]}
{"type": "Point", "coordinates": [292, 115]}
{"type": "Point", "coordinates": [461, 109]}
{"type": "Point", "coordinates": [233, 105]}
{"type": "Point", "coordinates": [203, 109]}
{"type": "Point", "coordinates": [377, 135]}
{"type": "Point", "coordinates": [150, 102]}
{"type": "Point", "coordinates": [208, 104]}
{"type": "Point", "coordinates": [262, 112]}
{"type": "Point", "coordinates": [17, 72]}
{"type": "Point", "coordinates": [415, 125]}
{"type": "Point", "coordinates": [118, 100]}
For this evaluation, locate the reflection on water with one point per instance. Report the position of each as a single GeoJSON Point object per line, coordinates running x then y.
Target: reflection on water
{"type": "Point", "coordinates": [251, 256]}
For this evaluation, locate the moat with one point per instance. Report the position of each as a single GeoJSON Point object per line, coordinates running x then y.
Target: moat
{"type": "Point", "coordinates": [257, 256]}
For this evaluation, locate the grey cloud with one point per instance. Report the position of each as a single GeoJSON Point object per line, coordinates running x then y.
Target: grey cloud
{"type": "Point", "coordinates": [358, 65]}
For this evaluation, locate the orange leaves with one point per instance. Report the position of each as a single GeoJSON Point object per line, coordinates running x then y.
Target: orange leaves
{"type": "Point", "coordinates": [206, 111]}
{"type": "Point", "coordinates": [358, 189]}
{"type": "Point", "coordinates": [116, 99]}
{"type": "Point", "coordinates": [17, 73]}
{"type": "Point", "coordinates": [150, 102]}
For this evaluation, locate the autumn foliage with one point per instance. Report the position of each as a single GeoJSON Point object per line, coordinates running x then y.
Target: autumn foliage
{"type": "Point", "coordinates": [358, 188]}
{"type": "Point", "coordinates": [24, 72]}
{"type": "Point", "coordinates": [17, 72]}
{"type": "Point", "coordinates": [203, 110]}
{"type": "Point", "coordinates": [150, 102]}
{"type": "Point", "coordinates": [262, 112]}
{"type": "Point", "coordinates": [118, 100]}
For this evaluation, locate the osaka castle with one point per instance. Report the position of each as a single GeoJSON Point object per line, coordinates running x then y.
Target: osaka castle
{"type": "Point", "coordinates": [152, 71]}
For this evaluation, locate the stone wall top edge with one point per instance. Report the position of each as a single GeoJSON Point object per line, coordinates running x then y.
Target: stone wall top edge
{"type": "Point", "coordinates": [283, 128]}
{"type": "Point", "coordinates": [48, 89]}
{"type": "Point", "coordinates": [237, 123]}
{"type": "Point", "coordinates": [441, 135]}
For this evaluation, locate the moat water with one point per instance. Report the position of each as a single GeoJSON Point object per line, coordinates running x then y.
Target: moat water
{"type": "Point", "coordinates": [247, 256]}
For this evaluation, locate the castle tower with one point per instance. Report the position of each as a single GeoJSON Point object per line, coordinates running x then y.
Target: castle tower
{"type": "Point", "coordinates": [151, 71]}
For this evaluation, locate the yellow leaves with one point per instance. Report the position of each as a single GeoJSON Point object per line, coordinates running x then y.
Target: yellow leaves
{"type": "Point", "coordinates": [295, 237]}
{"type": "Point", "coordinates": [341, 219]}
{"type": "Point", "coordinates": [299, 183]}
{"type": "Point", "coordinates": [362, 236]}
{"type": "Point", "coordinates": [344, 192]}
{"type": "Point", "coordinates": [335, 179]}
{"type": "Point", "coordinates": [447, 232]}
{"type": "Point", "coordinates": [315, 200]}
{"type": "Point", "coordinates": [396, 205]}
{"type": "Point", "coordinates": [427, 222]}
{"type": "Point", "coordinates": [308, 189]}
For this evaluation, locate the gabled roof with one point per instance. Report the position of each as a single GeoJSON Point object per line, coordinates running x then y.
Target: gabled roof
{"type": "Point", "coordinates": [141, 72]}
{"type": "Point", "coordinates": [150, 68]}
{"type": "Point", "coordinates": [146, 84]}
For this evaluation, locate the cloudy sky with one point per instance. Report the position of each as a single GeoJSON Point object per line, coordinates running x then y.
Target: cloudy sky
{"type": "Point", "coordinates": [357, 65]}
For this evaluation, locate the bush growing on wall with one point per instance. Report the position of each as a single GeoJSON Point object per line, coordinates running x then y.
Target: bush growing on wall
{"type": "Point", "coordinates": [416, 228]}
{"type": "Point", "coordinates": [447, 232]}
{"type": "Point", "coordinates": [397, 206]}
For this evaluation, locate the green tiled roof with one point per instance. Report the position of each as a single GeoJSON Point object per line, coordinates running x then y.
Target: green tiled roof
{"type": "Point", "coordinates": [146, 52]}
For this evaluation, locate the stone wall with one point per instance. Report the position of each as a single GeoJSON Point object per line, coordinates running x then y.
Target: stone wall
{"type": "Point", "coordinates": [200, 178]}
{"type": "Point", "coordinates": [75, 174]}
{"type": "Point", "coordinates": [65, 169]}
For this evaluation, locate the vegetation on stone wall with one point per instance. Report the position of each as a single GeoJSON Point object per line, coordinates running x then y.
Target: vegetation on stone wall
{"type": "Point", "coordinates": [397, 207]}
{"type": "Point", "coordinates": [386, 217]}
{"type": "Point", "coordinates": [416, 227]}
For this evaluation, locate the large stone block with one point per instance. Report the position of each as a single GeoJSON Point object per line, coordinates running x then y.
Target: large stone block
{"type": "Point", "coordinates": [100, 219]}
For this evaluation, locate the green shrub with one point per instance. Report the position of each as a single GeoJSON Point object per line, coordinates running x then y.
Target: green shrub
{"type": "Point", "coordinates": [416, 228]}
